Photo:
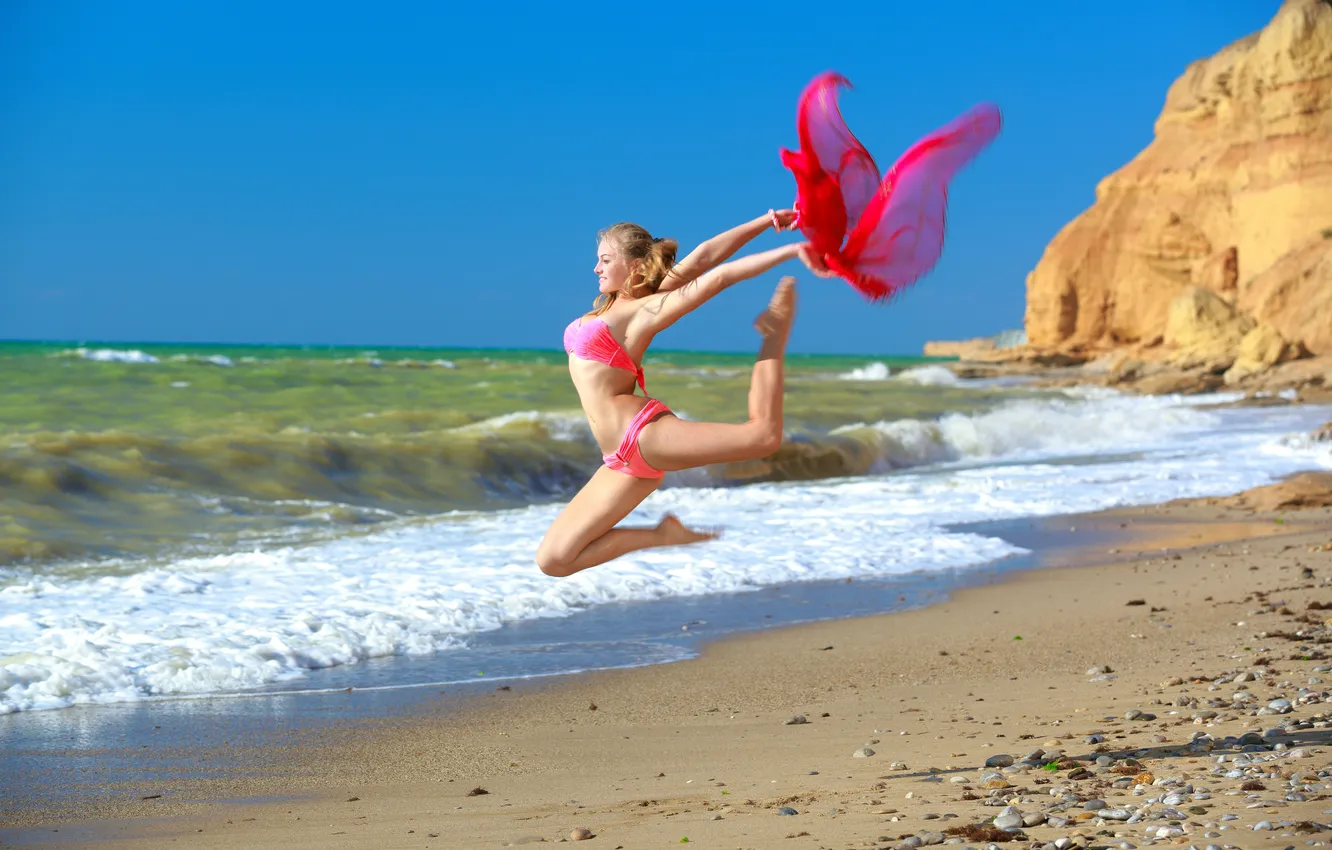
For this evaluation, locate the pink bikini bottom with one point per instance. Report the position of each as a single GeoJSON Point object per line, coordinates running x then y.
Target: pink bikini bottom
{"type": "Point", "coordinates": [627, 458]}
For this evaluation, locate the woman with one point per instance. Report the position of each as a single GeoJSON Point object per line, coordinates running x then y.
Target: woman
{"type": "Point", "coordinates": [644, 291]}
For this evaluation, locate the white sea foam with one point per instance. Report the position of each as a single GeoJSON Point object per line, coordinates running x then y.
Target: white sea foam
{"type": "Point", "coordinates": [109, 355]}
{"type": "Point", "coordinates": [248, 619]}
{"type": "Point", "coordinates": [1029, 428]}
{"type": "Point", "coordinates": [559, 425]}
{"type": "Point", "coordinates": [876, 371]}
{"type": "Point", "coordinates": [929, 376]}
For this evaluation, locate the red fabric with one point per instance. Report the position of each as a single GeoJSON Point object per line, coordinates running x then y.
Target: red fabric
{"type": "Point", "coordinates": [880, 235]}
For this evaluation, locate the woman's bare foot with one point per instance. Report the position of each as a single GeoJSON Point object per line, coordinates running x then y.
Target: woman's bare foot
{"type": "Point", "coordinates": [677, 534]}
{"type": "Point", "coordinates": [774, 323]}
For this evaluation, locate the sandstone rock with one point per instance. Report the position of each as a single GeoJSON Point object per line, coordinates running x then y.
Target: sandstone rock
{"type": "Point", "coordinates": [1204, 329]}
{"type": "Point", "coordinates": [979, 348]}
{"type": "Point", "coordinates": [1294, 294]}
{"type": "Point", "coordinates": [1183, 382]}
{"type": "Point", "coordinates": [1304, 490]}
{"type": "Point", "coordinates": [1307, 376]}
{"type": "Point", "coordinates": [967, 349]}
{"type": "Point", "coordinates": [1231, 197]}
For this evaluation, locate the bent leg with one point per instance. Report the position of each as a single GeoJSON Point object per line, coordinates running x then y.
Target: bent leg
{"type": "Point", "coordinates": [670, 443]}
{"type": "Point", "coordinates": [584, 534]}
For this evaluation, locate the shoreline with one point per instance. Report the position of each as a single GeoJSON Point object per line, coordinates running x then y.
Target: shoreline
{"type": "Point", "coordinates": [507, 739]}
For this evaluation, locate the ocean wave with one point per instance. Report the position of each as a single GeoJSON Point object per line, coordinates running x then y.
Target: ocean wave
{"type": "Point", "coordinates": [876, 371]}
{"type": "Point", "coordinates": [118, 494]}
{"type": "Point", "coordinates": [109, 355]}
{"type": "Point", "coordinates": [256, 618]}
{"type": "Point", "coordinates": [1018, 429]}
{"type": "Point", "coordinates": [929, 376]}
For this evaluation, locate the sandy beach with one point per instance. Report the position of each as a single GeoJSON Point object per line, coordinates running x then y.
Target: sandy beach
{"type": "Point", "coordinates": [1169, 690]}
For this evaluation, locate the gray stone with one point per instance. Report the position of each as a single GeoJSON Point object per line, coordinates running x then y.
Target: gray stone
{"type": "Point", "coordinates": [1280, 706]}
{"type": "Point", "coordinates": [1008, 821]}
{"type": "Point", "coordinates": [1094, 805]}
{"type": "Point", "coordinates": [1034, 819]}
{"type": "Point", "coordinates": [1000, 760]}
{"type": "Point", "coordinates": [931, 838]}
{"type": "Point", "coordinates": [862, 753]}
{"type": "Point", "coordinates": [787, 810]}
{"type": "Point", "coordinates": [1115, 814]}
{"type": "Point", "coordinates": [795, 720]}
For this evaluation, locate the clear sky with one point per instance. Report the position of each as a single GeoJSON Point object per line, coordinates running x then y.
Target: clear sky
{"type": "Point", "coordinates": [435, 173]}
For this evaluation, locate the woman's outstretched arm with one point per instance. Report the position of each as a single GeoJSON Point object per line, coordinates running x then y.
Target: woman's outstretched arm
{"type": "Point", "coordinates": [721, 247]}
{"type": "Point", "coordinates": [663, 309]}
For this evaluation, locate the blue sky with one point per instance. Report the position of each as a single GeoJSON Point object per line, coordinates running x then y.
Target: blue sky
{"type": "Point", "coordinates": [435, 174]}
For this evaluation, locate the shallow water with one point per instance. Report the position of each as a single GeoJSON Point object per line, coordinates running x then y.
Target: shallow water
{"type": "Point", "coordinates": [263, 535]}
{"type": "Point", "coordinates": [133, 451]}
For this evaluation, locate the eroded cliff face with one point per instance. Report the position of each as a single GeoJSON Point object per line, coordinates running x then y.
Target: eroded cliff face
{"type": "Point", "coordinates": [1233, 197]}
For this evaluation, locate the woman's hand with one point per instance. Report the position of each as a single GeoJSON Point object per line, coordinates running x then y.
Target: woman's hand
{"type": "Point", "coordinates": [814, 262]}
{"type": "Point", "coordinates": [783, 219]}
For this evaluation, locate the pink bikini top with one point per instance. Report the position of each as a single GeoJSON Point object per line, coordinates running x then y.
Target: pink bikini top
{"type": "Point", "coordinates": [592, 340]}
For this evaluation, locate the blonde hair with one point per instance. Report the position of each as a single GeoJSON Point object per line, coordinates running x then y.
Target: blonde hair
{"type": "Point", "coordinates": [654, 257]}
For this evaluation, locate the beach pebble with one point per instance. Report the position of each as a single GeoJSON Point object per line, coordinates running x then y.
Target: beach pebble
{"type": "Point", "coordinates": [1001, 760]}
{"type": "Point", "coordinates": [931, 838]}
{"type": "Point", "coordinates": [1010, 820]}
{"type": "Point", "coordinates": [787, 810]}
{"type": "Point", "coordinates": [1094, 805]}
{"type": "Point", "coordinates": [1280, 706]}
{"type": "Point", "coordinates": [794, 720]}
{"type": "Point", "coordinates": [910, 843]}
{"type": "Point", "coordinates": [582, 833]}
{"type": "Point", "coordinates": [1263, 826]}
{"type": "Point", "coordinates": [897, 765]}
{"type": "Point", "coordinates": [862, 753]}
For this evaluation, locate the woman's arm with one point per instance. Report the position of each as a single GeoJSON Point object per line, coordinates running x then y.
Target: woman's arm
{"type": "Point", "coordinates": [721, 247]}
{"type": "Point", "coordinates": [664, 309]}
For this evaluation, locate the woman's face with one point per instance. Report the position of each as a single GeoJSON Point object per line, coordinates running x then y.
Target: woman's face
{"type": "Point", "coordinates": [612, 271]}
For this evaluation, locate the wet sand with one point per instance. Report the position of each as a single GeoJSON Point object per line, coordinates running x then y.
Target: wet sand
{"type": "Point", "coordinates": [1128, 660]}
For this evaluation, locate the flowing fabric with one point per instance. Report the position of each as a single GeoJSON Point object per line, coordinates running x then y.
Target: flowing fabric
{"type": "Point", "coordinates": [879, 234]}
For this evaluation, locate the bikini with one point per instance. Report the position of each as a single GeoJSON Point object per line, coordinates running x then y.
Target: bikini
{"type": "Point", "coordinates": [592, 340]}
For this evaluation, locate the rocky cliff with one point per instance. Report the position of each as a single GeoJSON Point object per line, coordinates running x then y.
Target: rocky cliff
{"type": "Point", "coordinates": [1213, 246]}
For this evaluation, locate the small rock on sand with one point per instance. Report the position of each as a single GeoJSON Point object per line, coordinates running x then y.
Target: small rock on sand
{"type": "Point", "coordinates": [582, 833]}
{"type": "Point", "coordinates": [794, 720]}
{"type": "Point", "coordinates": [862, 753]}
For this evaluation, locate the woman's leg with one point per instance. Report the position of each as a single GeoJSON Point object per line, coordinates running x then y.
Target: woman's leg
{"type": "Point", "coordinates": [670, 443]}
{"type": "Point", "coordinates": [584, 534]}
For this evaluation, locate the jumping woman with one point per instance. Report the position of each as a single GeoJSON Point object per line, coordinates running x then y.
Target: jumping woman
{"type": "Point", "coordinates": [643, 291]}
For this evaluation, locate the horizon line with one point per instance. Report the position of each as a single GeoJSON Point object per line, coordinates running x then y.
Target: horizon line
{"type": "Point", "coordinates": [103, 342]}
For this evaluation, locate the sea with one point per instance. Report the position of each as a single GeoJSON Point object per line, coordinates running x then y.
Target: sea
{"type": "Point", "coordinates": [186, 521]}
